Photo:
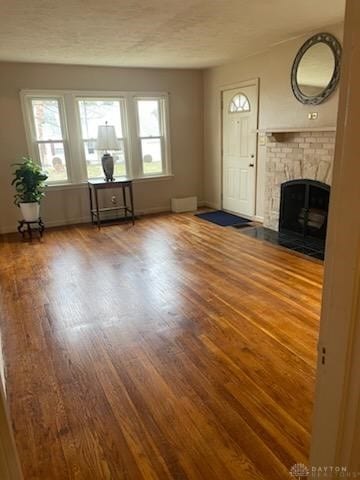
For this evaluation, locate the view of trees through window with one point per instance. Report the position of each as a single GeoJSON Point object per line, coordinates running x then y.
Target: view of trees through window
{"type": "Point", "coordinates": [94, 113]}
{"type": "Point", "coordinates": [66, 145]}
{"type": "Point", "coordinates": [150, 135]}
{"type": "Point", "coordinates": [49, 138]}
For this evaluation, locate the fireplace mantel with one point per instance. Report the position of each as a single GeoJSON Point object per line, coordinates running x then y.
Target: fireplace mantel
{"type": "Point", "coordinates": [275, 130]}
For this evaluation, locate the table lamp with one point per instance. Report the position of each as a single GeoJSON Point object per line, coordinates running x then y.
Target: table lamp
{"type": "Point", "coordinates": [107, 141]}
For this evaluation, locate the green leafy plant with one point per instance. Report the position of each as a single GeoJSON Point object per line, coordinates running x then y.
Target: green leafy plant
{"type": "Point", "coordinates": [29, 182]}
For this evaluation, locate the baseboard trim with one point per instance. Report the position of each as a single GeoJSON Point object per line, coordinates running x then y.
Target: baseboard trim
{"type": "Point", "coordinates": [64, 222]}
{"type": "Point", "coordinates": [204, 203]}
{"type": "Point", "coordinates": [152, 210]}
{"type": "Point", "coordinates": [50, 224]}
{"type": "Point", "coordinates": [85, 219]}
{"type": "Point", "coordinates": [257, 218]}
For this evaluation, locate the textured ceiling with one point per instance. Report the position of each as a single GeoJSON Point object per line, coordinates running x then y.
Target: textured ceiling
{"type": "Point", "coordinates": [156, 33]}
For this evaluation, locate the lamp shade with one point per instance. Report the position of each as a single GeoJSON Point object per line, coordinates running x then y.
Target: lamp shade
{"type": "Point", "coordinates": [106, 139]}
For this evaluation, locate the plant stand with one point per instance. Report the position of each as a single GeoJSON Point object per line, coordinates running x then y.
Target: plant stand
{"type": "Point", "coordinates": [30, 227]}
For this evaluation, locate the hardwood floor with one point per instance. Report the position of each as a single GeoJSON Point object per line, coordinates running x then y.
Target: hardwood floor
{"type": "Point", "coordinates": [175, 349]}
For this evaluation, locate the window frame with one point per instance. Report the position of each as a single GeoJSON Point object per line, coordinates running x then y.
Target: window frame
{"type": "Point", "coordinates": [124, 127]}
{"type": "Point", "coordinates": [73, 141]}
{"type": "Point", "coordinates": [162, 133]}
{"type": "Point", "coordinates": [30, 131]}
{"type": "Point", "coordinates": [239, 109]}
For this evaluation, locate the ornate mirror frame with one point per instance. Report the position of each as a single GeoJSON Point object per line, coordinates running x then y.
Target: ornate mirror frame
{"type": "Point", "coordinates": [335, 47]}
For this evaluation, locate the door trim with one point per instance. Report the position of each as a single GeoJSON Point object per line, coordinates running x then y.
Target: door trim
{"type": "Point", "coordinates": [337, 396]}
{"type": "Point", "coordinates": [223, 88]}
{"type": "Point", "coordinates": [10, 468]}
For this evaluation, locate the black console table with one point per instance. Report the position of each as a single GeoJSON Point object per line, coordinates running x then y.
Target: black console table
{"type": "Point", "coordinates": [99, 184]}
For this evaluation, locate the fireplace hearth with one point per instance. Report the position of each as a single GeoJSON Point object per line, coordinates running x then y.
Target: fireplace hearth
{"type": "Point", "coordinates": [304, 208]}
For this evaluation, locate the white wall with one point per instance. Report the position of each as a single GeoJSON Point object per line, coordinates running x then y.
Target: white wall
{"type": "Point", "coordinates": [71, 205]}
{"type": "Point", "coordinates": [277, 108]}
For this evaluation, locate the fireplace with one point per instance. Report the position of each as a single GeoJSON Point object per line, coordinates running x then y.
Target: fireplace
{"type": "Point", "coordinates": [304, 208]}
{"type": "Point", "coordinates": [299, 167]}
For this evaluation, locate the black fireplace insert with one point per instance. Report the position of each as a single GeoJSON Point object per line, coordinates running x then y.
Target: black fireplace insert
{"type": "Point", "coordinates": [304, 206]}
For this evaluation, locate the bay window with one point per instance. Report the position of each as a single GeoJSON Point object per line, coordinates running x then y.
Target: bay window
{"type": "Point", "coordinates": [62, 130]}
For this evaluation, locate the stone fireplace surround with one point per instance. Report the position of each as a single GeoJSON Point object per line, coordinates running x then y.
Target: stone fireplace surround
{"type": "Point", "coordinates": [292, 155]}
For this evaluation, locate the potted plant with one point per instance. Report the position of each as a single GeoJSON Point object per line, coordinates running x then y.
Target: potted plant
{"type": "Point", "coordinates": [29, 183]}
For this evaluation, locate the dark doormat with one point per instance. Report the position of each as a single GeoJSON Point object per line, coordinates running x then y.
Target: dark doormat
{"type": "Point", "coordinates": [223, 219]}
{"type": "Point", "coordinates": [243, 225]}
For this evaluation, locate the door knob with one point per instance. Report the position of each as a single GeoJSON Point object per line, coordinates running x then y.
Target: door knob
{"type": "Point", "coordinates": [251, 165]}
{"type": "Point", "coordinates": [252, 156]}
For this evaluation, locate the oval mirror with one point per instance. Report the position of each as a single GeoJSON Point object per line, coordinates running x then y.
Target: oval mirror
{"type": "Point", "coordinates": [316, 69]}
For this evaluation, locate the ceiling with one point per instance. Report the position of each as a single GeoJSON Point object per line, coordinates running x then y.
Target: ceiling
{"type": "Point", "coordinates": [154, 33]}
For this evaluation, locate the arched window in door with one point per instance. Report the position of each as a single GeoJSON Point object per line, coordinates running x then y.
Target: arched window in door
{"type": "Point", "coordinates": [239, 103]}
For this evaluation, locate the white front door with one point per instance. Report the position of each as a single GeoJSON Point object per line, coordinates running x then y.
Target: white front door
{"type": "Point", "coordinates": [240, 107]}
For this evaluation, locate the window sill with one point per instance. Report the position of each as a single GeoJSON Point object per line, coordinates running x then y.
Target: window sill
{"type": "Point", "coordinates": [75, 186]}
{"type": "Point", "coordinates": [53, 187]}
{"type": "Point", "coordinates": [153, 178]}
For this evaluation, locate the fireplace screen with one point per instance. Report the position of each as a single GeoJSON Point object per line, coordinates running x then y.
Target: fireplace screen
{"type": "Point", "coordinates": [304, 206]}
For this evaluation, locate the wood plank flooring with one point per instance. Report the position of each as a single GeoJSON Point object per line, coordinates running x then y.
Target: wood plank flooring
{"type": "Point", "coordinates": [175, 349]}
